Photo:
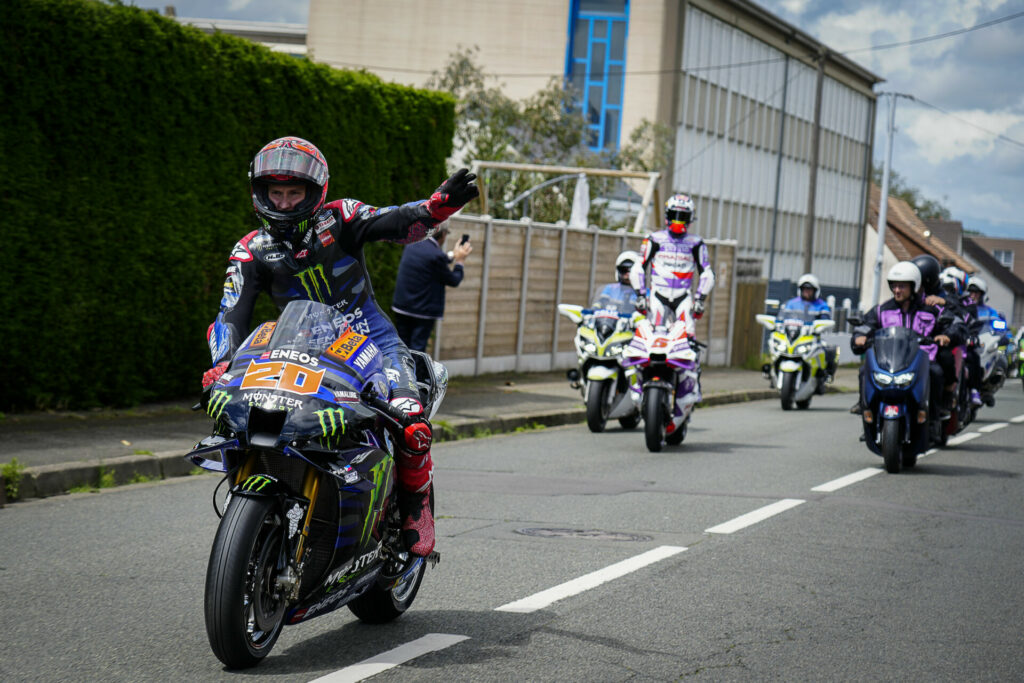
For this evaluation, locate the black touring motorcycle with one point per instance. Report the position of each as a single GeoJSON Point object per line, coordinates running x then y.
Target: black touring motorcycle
{"type": "Point", "coordinates": [310, 523]}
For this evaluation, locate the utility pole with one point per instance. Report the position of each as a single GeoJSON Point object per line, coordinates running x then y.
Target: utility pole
{"type": "Point", "coordinates": [812, 189]}
{"type": "Point", "coordinates": [883, 202]}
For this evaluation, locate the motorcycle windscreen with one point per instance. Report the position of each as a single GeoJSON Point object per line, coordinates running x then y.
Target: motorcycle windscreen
{"type": "Point", "coordinates": [895, 348]}
{"type": "Point", "coordinates": [793, 322]}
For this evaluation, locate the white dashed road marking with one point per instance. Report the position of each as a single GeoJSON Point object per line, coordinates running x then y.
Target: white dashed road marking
{"type": "Point", "coordinates": [1017, 420]}
{"type": "Point", "coordinates": [754, 517]}
{"type": "Point", "coordinates": [392, 658]}
{"type": "Point", "coordinates": [839, 483]}
{"type": "Point", "coordinates": [993, 427]}
{"type": "Point", "coordinates": [963, 438]}
{"type": "Point", "coordinates": [544, 598]}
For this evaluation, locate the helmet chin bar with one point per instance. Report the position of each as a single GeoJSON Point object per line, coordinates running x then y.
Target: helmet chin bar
{"type": "Point", "coordinates": [677, 227]}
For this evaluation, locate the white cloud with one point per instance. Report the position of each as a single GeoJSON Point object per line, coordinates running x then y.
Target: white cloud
{"type": "Point", "coordinates": [794, 6]}
{"type": "Point", "coordinates": [941, 137]}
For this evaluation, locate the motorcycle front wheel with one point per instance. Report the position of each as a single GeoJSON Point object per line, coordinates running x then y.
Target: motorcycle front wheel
{"type": "Point", "coordinates": [597, 404]}
{"type": "Point", "coordinates": [654, 418]}
{"type": "Point", "coordinates": [244, 608]}
{"type": "Point", "coordinates": [788, 390]}
{"type": "Point", "coordinates": [891, 446]}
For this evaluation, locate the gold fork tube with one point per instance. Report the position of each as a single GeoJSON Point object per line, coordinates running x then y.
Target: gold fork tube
{"type": "Point", "coordinates": [310, 488]}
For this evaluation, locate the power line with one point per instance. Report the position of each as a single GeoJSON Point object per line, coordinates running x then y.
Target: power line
{"type": "Point", "coordinates": [997, 136]}
{"type": "Point", "coordinates": [938, 36]}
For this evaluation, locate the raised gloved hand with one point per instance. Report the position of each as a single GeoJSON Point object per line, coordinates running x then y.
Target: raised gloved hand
{"type": "Point", "coordinates": [698, 307]}
{"type": "Point", "coordinates": [641, 304]}
{"type": "Point", "coordinates": [453, 194]}
{"type": "Point", "coordinates": [213, 374]}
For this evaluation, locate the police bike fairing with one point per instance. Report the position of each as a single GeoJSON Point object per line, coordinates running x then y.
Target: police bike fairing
{"type": "Point", "coordinates": [603, 331]}
{"type": "Point", "coordinates": [797, 362]}
{"type": "Point", "coordinates": [310, 522]}
{"type": "Point", "coordinates": [899, 424]}
{"type": "Point", "coordinates": [993, 341]}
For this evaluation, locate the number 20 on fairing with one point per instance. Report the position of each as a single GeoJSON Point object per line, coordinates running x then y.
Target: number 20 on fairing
{"type": "Point", "coordinates": [283, 377]}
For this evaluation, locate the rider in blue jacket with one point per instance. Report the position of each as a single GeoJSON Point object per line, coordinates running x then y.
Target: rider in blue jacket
{"type": "Point", "coordinates": [308, 249]}
{"type": "Point", "coordinates": [809, 302]}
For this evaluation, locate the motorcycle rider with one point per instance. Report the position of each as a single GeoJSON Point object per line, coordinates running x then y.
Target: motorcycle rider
{"type": "Point", "coordinates": [809, 302]}
{"type": "Point", "coordinates": [675, 258]}
{"type": "Point", "coordinates": [306, 249]}
{"type": "Point", "coordinates": [621, 290]}
{"type": "Point", "coordinates": [977, 295]}
{"type": "Point", "coordinates": [906, 308]}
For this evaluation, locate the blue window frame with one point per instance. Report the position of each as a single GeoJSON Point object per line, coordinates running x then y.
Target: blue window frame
{"type": "Point", "coordinates": [595, 66]}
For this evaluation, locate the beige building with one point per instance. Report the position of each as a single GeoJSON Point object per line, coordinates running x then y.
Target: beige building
{"type": "Point", "coordinates": [737, 84]}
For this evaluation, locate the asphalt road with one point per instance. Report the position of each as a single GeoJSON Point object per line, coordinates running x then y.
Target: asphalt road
{"type": "Point", "coordinates": [911, 577]}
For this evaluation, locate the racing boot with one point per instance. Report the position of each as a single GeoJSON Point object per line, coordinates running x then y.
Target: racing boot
{"type": "Point", "coordinates": [948, 404]}
{"type": "Point", "coordinates": [414, 474]}
{"type": "Point", "coordinates": [976, 397]}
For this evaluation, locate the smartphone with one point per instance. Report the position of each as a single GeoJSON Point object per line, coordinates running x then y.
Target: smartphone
{"type": "Point", "coordinates": [465, 238]}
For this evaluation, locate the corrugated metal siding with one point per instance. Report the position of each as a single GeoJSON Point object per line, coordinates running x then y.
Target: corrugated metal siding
{"type": "Point", "coordinates": [727, 151]}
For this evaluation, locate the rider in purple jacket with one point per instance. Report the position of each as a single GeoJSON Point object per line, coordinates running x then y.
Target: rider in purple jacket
{"type": "Point", "coordinates": [907, 308]}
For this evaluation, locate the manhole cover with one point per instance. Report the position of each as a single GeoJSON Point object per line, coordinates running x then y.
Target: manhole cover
{"type": "Point", "coordinates": [596, 534]}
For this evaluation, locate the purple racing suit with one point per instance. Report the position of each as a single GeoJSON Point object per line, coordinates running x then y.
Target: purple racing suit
{"type": "Point", "coordinates": [679, 271]}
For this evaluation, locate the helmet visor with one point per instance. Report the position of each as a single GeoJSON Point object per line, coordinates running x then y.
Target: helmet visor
{"type": "Point", "coordinates": [285, 161]}
{"type": "Point", "coordinates": [678, 215]}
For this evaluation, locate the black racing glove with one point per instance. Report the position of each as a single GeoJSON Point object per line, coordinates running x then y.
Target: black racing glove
{"type": "Point", "coordinates": [698, 307]}
{"type": "Point", "coordinates": [453, 194]}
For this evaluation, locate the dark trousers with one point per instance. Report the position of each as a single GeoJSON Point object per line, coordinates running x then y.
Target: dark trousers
{"type": "Point", "coordinates": [415, 332]}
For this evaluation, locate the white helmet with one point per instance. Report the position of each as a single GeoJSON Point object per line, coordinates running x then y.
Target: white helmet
{"type": "Point", "coordinates": [953, 278]}
{"type": "Point", "coordinates": [808, 279]}
{"type": "Point", "coordinates": [979, 284]}
{"type": "Point", "coordinates": [624, 262]}
{"type": "Point", "coordinates": [905, 271]}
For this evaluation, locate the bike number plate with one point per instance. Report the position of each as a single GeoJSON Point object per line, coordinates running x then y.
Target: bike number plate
{"type": "Point", "coordinates": [892, 411]}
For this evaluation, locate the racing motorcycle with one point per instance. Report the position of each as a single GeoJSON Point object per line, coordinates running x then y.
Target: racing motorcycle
{"type": "Point", "coordinates": [310, 521]}
{"type": "Point", "coordinates": [668, 359]}
{"type": "Point", "coordinates": [898, 423]}
{"type": "Point", "coordinates": [797, 365]}
{"type": "Point", "coordinates": [601, 335]}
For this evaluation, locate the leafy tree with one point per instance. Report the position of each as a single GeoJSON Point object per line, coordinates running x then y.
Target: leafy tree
{"type": "Point", "coordinates": [926, 209]}
{"type": "Point", "coordinates": [546, 128]}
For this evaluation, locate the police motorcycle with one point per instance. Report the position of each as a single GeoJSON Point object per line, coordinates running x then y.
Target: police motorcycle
{"type": "Point", "coordinates": [898, 422]}
{"type": "Point", "coordinates": [310, 522]}
{"type": "Point", "coordinates": [797, 365]}
{"type": "Point", "coordinates": [602, 332]}
{"type": "Point", "coordinates": [1020, 358]}
{"type": "Point", "coordinates": [668, 359]}
{"type": "Point", "coordinates": [991, 344]}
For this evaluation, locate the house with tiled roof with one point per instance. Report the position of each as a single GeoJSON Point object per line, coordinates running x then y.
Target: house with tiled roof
{"type": "Point", "coordinates": [905, 236]}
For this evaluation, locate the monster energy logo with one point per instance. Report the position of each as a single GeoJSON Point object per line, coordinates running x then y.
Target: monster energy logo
{"type": "Point", "coordinates": [334, 417]}
{"type": "Point", "coordinates": [218, 400]}
{"type": "Point", "coordinates": [379, 472]}
{"type": "Point", "coordinates": [256, 482]}
{"type": "Point", "coordinates": [312, 279]}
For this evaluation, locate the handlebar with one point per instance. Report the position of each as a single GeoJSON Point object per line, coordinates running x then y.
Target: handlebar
{"type": "Point", "coordinates": [396, 415]}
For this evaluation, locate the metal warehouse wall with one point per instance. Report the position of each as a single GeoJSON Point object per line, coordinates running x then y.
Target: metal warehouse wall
{"type": "Point", "coordinates": [743, 150]}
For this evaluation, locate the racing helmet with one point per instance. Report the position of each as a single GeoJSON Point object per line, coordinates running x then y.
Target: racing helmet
{"type": "Point", "coordinates": [953, 279]}
{"type": "Point", "coordinates": [905, 271]}
{"type": "Point", "coordinates": [978, 284]}
{"type": "Point", "coordinates": [808, 280]}
{"type": "Point", "coordinates": [679, 213]}
{"type": "Point", "coordinates": [289, 160]}
{"type": "Point", "coordinates": [624, 263]}
{"type": "Point", "coordinates": [930, 269]}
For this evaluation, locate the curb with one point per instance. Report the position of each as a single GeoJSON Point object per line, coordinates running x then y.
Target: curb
{"type": "Point", "coordinates": [44, 481]}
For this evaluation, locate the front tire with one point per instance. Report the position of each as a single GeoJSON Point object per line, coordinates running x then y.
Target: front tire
{"type": "Point", "coordinates": [891, 446]}
{"type": "Point", "coordinates": [244, 608]}
{"type": "Point", "coordinates": [597, 404]}
{"type": "Point", "coordinates": [788, 390]}
{"type": "Point", "coordinates": [654, 418]}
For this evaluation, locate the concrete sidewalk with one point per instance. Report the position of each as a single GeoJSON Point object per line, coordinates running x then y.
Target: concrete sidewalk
{"type": "Point", "coordinates": [65, 450]}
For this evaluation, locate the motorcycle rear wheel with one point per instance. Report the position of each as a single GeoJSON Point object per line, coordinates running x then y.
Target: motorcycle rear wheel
{"type": "Point", "coordinates": [244, 612]}
{"type": "Point", "coordinates": [654, 418]}
{"type": "Point", "coordinates": [788, 389]}
{"type": "Point", "coordinates": [891, 446]}
{"type": "Point", "coordinates": [597, 404]}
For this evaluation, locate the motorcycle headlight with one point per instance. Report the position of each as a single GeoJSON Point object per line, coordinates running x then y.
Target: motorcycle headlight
{"type": "Point", "coordinates": [883, 378]}
{"type": "Point", "coordinates": [802, 349]}
{"type": "Point", "coordinates": [590, 347]}
{"type": "Point", "coordinates": [778, 346]}
{"type": "Point", "coordinates": [903, 379]}
{"type": "Point", "coordinates": [615, 350]}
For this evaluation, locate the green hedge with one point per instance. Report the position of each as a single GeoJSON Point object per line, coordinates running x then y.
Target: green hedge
{"type": "Point", "coordinates": [125, 139]}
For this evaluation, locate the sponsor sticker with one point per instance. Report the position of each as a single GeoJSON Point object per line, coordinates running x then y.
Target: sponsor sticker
{"type": "Point", "coordinates": [281, 376]}
{"type": "Point", "coordinates": [263, 334]}
{"type": "Point", "coordinates": [346, 345]}
{"type": "Point", "coordinates": [892, 411]}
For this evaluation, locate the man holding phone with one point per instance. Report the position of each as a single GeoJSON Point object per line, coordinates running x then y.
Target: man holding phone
{"type": "Point", "coordinates": [423, 274]}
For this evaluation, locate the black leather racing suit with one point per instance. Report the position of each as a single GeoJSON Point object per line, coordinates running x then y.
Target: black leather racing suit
{"type": "Point", "coordinates": [327, 265]}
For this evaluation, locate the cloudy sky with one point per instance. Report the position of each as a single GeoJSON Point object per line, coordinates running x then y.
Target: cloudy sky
{"type": "Point", "coordinates": [960, 142]}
